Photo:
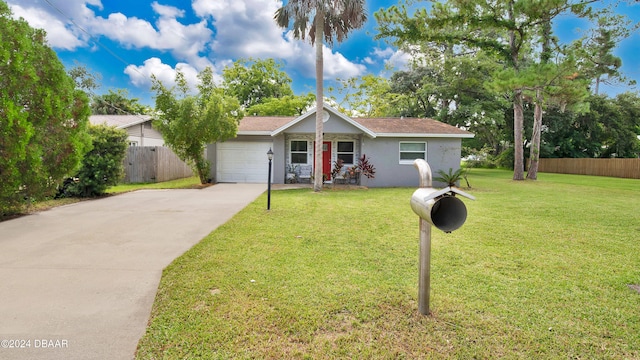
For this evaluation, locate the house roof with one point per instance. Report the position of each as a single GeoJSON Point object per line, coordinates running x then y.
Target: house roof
{"type": "Point", "coordinates": [119, 121]}
{"type": "Point", "coordinates": [262, 125]}
{"type": "Point", "coordinates": [409, 127]}
{"type": "Point", "coordinates": [327, 109]}
{"type": "Point", "coordinates": [373, 127]}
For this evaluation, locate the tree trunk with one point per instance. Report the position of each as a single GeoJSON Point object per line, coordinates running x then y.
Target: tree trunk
{"type": "Point", "coordinates": [518, 124]}
{"type": "Point", "coordinates": [534, 160]}
{"type": "Point", "coordinates": [318, 179]}
{"type": "Point", "coordinates": [518, 111]}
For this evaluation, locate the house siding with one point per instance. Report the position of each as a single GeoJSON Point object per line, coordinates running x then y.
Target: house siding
{"type": "Point", "coordinates": [384, 154]}
{"type": "Point", "coordinates": [145, 135]}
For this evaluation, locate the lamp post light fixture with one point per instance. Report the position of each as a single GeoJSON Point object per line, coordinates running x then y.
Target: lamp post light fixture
{"type": "Point", "coordinates": [270, 156]}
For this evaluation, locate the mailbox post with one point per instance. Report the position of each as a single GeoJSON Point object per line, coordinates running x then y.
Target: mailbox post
{"type": "Point", "coordinates": [440, 208]}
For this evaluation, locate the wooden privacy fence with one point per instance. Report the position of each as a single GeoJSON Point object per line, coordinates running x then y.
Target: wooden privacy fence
{"type": "Point", "coordinates": [622, 168]}
{"type": "Point", "coordinates": [153, 164]}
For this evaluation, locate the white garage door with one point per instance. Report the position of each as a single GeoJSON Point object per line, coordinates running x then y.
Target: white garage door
{"type": "Point", "coordinates": [242, 161]}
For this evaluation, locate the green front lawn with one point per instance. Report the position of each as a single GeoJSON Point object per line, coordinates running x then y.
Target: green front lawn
{"type": "Point", "coordinates": [185, 183]}
{"type": "Point", "coordinates": [540, 270]}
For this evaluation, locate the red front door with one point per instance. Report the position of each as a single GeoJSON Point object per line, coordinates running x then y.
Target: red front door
{"type": "Point", "coordinates": [326, 159]}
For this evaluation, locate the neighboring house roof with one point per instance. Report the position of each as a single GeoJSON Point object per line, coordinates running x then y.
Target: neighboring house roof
{"type": "Point", "coordinates": [373, 127]}
{"type": "Point", "coordinates": [119, 121]}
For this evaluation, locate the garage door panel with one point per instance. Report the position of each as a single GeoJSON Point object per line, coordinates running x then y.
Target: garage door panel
{"type": "Point", "coordinates": [242, 161]}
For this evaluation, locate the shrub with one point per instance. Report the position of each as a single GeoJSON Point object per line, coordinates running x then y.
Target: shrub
{"type": "Point", "coordinates": [451, 178]}
{"type": "Point", "coordinates": [366, 167]}
{"type": "Point", "coordinates": [506, 159]}
{"type": "Point", "coordinates": [102, 166]}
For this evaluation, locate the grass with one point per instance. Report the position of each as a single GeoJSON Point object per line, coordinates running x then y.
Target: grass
{"type": "Point", "coordinates": [540, 270]}
{"type": "Point", "coordinates": [186, 183]}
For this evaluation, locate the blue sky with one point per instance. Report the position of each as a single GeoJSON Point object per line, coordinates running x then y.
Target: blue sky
{"type": "Point", "coordinates": [126, 41]}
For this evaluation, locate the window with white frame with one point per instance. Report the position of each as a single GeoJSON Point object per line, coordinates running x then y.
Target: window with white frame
{"type": "Point", "coordinates": [298, 152]}
{"type": "Point", "coordinates": [411, 150]}
{"type": "Point", "coordinates": [346, 151]}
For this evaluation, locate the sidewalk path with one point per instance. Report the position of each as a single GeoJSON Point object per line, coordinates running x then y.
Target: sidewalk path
{"type": "Point", "coordinates": [78, 281]}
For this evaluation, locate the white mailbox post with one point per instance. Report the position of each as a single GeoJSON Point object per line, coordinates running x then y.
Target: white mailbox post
{"type": "Point", "coordinates": [440, 208]}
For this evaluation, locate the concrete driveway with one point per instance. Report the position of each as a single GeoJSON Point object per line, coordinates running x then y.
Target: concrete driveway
{"type": "Point", "coordinates": [78, 281]}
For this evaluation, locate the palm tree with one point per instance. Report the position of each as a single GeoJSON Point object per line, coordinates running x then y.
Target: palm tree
{"type": "Point", "coordinates": [330, 18]}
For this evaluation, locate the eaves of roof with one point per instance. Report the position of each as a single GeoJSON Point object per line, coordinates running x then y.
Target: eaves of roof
{"type": "Point", "coordinates": [328, 108]}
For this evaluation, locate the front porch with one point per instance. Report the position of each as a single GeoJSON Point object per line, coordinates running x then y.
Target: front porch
{"type": "Point", "coordinates": [337, 148]}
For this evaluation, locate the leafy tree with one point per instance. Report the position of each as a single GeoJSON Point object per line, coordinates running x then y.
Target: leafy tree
{"type": "Point", "coordinates": [503, 28]}
{"type": "Point", "coordinates": [571, 135]}
{"type": "Point", "coordinates": [290, 105]}
{"type": "Point", "coordinates": [189, 122]}
{"type": "Point", "coordinates": [325, 19]}
{"type": "Point", "coordinates": [253, 81]}
{"type": "Point", "coordinates": [418, 90]}
{"type": "Point", "coordinates": [608, 129]}
{"type": "Point", "coordinates": [117, 103]}
{"type": "Point", "coordinates": [600, 64]}
{"type": "Point", "coordinates": [367, 96]}
{"type": "Point", "coordinates": [43, 117]}
{"type": "Point", "coordinates": [621, 120]}
{"type": "Point", "coordinates": [84, 79]}
{"type": "Point", "coordinates": [102, 165]}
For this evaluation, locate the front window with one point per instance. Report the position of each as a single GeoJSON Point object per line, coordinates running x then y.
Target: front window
{"type": "Point", "coordinates": [298, 152]}
{"type": "Point", "coordinates": [409, 151]}
{"type": "Point", "coordinates": [346, 151]}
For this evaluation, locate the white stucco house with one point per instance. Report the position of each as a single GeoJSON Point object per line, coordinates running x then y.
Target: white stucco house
{"type": "Point", "coordinates": [139, 128]}
{"type": "Point", "coordinates": [391, 145]}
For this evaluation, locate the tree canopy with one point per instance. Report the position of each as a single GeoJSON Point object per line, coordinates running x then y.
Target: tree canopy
{"type": "Point", "coordinates": [43, 117]}
{"type": "Point", "coordinates": [188, 122]}
{"type": "Point", "coordinates": [253, 81]}
{"type": "Point", "coordinates": [117, 103]}
{"type": "Point", "coordinates": [529, 67]}
{"type": "Point", "coordinates": [290, 105]}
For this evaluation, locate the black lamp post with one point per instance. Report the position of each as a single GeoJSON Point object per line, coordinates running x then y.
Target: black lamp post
{"type": "Point", "coordinates": [270, 156]}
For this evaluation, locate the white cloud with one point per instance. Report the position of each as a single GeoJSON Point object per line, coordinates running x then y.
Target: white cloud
{"type": "Point", "coordinates": [185, 42]}
{"type": "Point", "coordinates": [246, 28]}
{"type": "Point", "coordinates": [398, 59]}
{"type": "Point", "coordinates": [59, 34]}
{"type": "Point", "coordinates": [167, 11]}
{"type": "Point", "coordinates": [141, 75]}
{"type": "Point", "coordinates": [225, 31]}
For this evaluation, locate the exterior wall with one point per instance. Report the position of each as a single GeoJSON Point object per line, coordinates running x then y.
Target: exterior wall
{"type": "Point", "coordinates": [145, 135]}
{"type": "Point", "coordinates": [384, 154]}
{"type": "Point", "coordinates": [211, 158]}
{"type": "Point", "coordinates": [279, 156]}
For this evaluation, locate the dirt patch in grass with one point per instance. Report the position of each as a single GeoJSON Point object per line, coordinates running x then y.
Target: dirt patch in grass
{"type": "Point", "coordinates": [635, 287]}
